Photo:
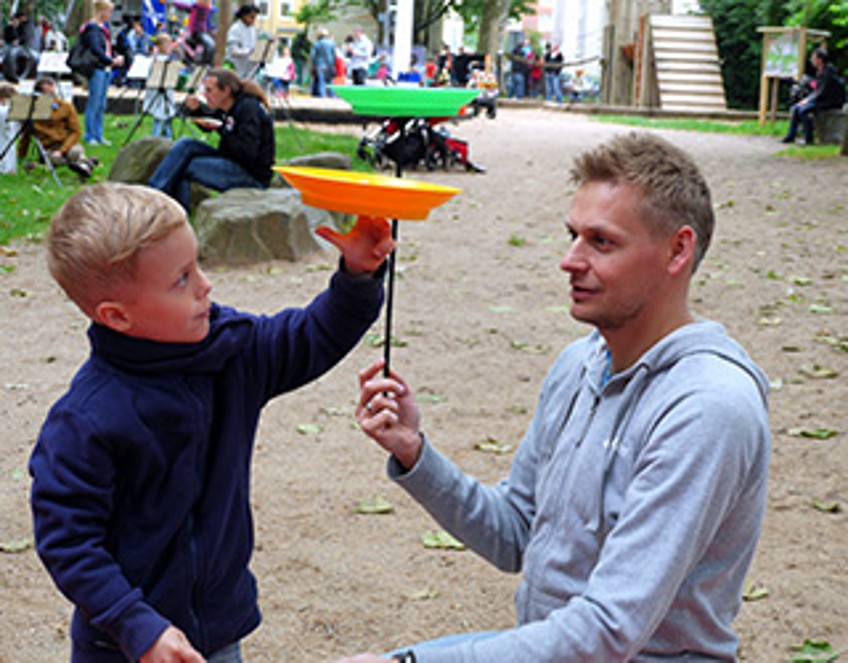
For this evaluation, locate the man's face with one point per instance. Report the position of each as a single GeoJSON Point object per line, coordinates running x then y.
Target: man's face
{"type": "Point", "coordinates": [168, 301]}
{"type": "Point", "coordinates": [616, 266]}
{"type": "Point", "coordinates": [216, 97]}
{"type": "Point", "coordinates": [249, 19]}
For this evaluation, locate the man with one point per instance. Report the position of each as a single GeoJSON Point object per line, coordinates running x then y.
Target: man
{"type": "Point", "coordinates": [61, 135]}
{"type": "Point", "coordinates": [829, 93]}
{"type": "Point", "coordinates": [323, 58]}
{"type": "Point", "coordinates": [238, 111]}
{"type": "Point", "coordinates": [553, 71]}
{"type": "Point", "coordinates": [360, 56]}
{"type": "Point", "coordinates": [636, 498]}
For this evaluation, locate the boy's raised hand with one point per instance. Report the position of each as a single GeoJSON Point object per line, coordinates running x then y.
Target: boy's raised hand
{"type": "Point", "coordinates": [365, 247]}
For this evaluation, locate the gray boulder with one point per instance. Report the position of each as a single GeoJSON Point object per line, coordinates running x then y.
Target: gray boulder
{"type": "Point", "coordinates": [243, 226]}
{"type": "Point", "coordinates": [135, 163]}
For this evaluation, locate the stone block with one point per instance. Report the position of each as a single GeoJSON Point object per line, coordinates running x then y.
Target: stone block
{"type": "Point", "coordinates": [831, 126]}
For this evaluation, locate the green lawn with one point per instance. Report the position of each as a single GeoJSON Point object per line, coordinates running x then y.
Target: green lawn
{"type": "Point", "coordinates": [29, 199]}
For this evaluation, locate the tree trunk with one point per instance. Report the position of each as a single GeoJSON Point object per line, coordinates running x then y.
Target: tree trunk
{"type": "Point", "coordinates": [225, 17]}
{"type": "Point", "coordinates": [492, 22]}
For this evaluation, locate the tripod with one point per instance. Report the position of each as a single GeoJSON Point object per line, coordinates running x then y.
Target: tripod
{"type": "Point", "coordinates": [163, 78]}
{"type": "Point", "coordinates": [28, 108]}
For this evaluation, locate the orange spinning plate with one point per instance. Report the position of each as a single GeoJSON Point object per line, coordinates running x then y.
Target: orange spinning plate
{"type": "Point", "coordinates": [366, 194]}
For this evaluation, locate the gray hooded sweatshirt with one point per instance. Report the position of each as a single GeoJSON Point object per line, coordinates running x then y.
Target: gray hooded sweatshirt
{"type": "Point", "coordinates": [632, 507]}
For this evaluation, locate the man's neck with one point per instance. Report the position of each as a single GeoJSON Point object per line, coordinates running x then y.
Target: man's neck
{"type": "Point", "coordinates": [629, 342]}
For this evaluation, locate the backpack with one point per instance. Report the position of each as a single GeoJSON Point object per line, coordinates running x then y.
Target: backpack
{"type": "Point", "coordinates": [81, 60]}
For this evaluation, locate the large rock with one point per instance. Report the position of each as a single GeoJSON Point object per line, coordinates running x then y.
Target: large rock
{"type": "Point", "coordinates": [831, 126]}
{"type": "Point", "coordinates": [245, 226]}
{"type": "Point", "coordinates": [135, 163]}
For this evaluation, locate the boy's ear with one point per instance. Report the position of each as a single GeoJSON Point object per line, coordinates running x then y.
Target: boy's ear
{"type": "Point", "coordinates": [113, 315]}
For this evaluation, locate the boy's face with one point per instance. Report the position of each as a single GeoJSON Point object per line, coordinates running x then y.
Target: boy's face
{"type": "Point", "coordinates": [169, 299]}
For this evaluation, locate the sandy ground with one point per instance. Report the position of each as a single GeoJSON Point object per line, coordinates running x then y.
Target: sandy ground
{"type": "Point", "coordinates": [481, 306]}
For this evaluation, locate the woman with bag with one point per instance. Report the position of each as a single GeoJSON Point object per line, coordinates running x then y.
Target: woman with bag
{"type": "Point", "coordinates": [95, 37]}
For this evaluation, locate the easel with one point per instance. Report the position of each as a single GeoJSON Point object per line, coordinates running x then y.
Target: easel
{"type": "Point", "coordinates": [29, 108]}
{"type": "Point", "coordinates": [192, 85]}
{"type": "Point", "coordinates": [139, 71]}
{"type": "Point", "coordinates": [262, 54]}
{"type": "Point", "coordinates": [784, 57]}
{"type": "Point", "coordinates": [163, 78]}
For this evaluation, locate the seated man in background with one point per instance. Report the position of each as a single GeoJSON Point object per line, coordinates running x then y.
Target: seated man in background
{"type": "Point", "coordinates": [828, 93]}
{"type": "Point", "coordinates": [61, 135]}
{"type": "Point", "coordinates": [238, 111]}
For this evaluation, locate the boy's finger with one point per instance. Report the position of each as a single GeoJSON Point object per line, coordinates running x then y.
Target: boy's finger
{"type": "Point", "coordinates": [329, 234]}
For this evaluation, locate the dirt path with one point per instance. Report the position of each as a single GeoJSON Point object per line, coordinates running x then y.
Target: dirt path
{"type": "Point", "coordinates": [481, 306]}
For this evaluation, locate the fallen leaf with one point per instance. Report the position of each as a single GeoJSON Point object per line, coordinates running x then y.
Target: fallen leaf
{"type": "Point", "coordinates": [430, 398]}
{"type": "Point", "coordinates": [827, 507]}
{"type": "Point", "coordinates": [502, 309]}
{"type": "Point", "coordinates": [376, 504]}
{"type": "Point", "coordinates": [754, 591]}
{"type": "Point", "coordinates": [441, 540]}
{"type": "Point", "coordinates": [423, 594]}
{"type": "Point", "coordinates": [814, 433]}
{"type": "Point", "coordinates": [817, 371]}
{"type": "Point", "coordinates": [813, 651]}
{"type": "Point", "coordinates": [821, 309]}
{"type": "Point", "coordinates": [309, 429]}
{"type": "Point", "coordinates": [491, 445]}
{"type": "Point", "coordinates": [16, 545]}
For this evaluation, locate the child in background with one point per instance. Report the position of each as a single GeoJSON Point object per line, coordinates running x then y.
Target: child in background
{"type": "Point", "coordinates": [141, 472]}
{"type": "Point", "coordinates": [8, 130]}
{"type": "Point", "coordinates": [161, 105]}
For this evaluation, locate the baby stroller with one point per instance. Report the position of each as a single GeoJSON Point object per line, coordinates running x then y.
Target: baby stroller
{"type": "Point", "coordinates": [419, 141]}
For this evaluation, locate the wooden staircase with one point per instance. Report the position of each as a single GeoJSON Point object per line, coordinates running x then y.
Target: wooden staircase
{"type": "Point", "coordinates": [681, 71]}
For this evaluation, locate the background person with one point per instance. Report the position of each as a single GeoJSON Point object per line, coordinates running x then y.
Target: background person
{"type": "Point", "coordinates": [60, 135]}
{"type": "Point", "coordinates": [95, 37]}
{"type": "Point", "coordinates": [241, 39]}
{"type": "Point", "coordinates": [829, 93]}
{"type": "Point", "coordinates": [8, 130]}
{"type": "Point", "coordinates": [636, 498]}
{"type": "Point", "coordinates": [161, 105]}
{"type": "Point", "coordinates": [323, 59]}
{"type": "Point", "coordinates": [141, 472]}
{"type": "Point", "coordinates": [239, 112]}
{"type": "Point", "coordinates": [361, 49]}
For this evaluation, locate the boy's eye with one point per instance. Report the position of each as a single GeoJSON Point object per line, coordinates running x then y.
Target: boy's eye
{"type": "Point", "coordinates": [183, 280]}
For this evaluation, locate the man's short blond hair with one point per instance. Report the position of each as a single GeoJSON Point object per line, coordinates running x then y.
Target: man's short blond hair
{"type": "Point", "coordinates": [674, 190]}
{"type": "Point", "coordinates": [95, 238]}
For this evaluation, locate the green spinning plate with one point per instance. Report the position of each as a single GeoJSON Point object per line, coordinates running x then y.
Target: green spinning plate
{"type": "Point", "coordinates": [405, 101]}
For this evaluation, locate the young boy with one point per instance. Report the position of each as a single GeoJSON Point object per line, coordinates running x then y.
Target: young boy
{"type": "Point", "coordinates": [140, 490]}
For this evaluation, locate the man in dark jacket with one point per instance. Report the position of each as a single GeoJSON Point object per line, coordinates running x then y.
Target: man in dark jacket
{"type": "Point", "coordinates": [829, 93]}
{"type": "Point", "coordinates": [238, 111]}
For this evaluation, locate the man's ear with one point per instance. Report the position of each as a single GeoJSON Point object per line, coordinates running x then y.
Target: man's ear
{"type": "Point", "coordinates": [682, 250]}
{"type": "Point", "coordinates": [113, 315]}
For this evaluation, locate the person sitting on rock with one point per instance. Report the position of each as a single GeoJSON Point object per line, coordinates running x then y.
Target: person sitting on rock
{"type": "Point", "coordinates": [828, 93]}
{"type": "Point", "coordinates": [238, 111]}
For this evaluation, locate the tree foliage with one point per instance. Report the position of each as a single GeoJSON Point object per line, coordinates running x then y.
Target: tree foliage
{"type": "Point", "coordinates": [740, 45]}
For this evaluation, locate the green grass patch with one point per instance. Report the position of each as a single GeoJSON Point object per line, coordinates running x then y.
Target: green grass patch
{"type": "Point", "coordinates": [811, 153]}
{"type": "Point", "coordinates": [746, 127]}
{"type": "Point", "coordinates": [30, 198]}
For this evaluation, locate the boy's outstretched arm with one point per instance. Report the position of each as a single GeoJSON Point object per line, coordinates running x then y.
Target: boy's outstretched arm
{"type": "Point", "coordinates": [365, 247]}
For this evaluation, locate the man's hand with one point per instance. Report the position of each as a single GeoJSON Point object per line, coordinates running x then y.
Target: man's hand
{"type": "Point", "coordinates": [387, 413]}
{"type": "Point", "coordinates": [365, 247]}
{"type": "Point", "coordinates": [56, 155]}
{"type": "Point", "coordinates": [172, 647]}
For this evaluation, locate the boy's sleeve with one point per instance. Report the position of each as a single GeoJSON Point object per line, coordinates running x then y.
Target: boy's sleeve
{"type": "Point", "coordinates": [299, 345]}
{"type": "Point", "coordinates": [71, 501]}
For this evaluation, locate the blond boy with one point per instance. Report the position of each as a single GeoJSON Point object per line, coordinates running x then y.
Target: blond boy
{"type": "Point", "coordinates": [141, 472]}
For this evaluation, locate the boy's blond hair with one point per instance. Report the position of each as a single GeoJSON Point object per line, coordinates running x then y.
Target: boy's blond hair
{"type": "Point", "coordinates": [7, 91]}
{"type": "Point", "coordinates": [96, 236]}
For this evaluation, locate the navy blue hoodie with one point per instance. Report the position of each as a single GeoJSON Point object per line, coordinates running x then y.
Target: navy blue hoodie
{"type": "Point", "coordinates": [141, 473]}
